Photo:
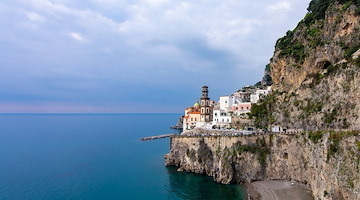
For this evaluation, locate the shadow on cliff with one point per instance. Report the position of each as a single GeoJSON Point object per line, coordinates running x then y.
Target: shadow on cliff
{"type": "Point", "coordinates": [192, 186]}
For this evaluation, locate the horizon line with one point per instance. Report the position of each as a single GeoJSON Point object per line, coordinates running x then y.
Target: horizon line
{"type": "Point", "coordinates": [3, 113]}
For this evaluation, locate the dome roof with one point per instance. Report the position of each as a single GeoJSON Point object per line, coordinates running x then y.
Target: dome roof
{"type": "Point", "coordinates": [196, 104]}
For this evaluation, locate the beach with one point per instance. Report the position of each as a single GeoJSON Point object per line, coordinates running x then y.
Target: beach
{"type": "Point", "coordinates": [278, 190]}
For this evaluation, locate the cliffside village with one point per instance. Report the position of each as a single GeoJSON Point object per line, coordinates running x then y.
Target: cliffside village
{"type": "Point", "coordinates": [229, 112]}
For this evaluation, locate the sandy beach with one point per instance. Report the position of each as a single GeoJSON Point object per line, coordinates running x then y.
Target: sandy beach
{"type": "Point", "coordinates": [278, 190]}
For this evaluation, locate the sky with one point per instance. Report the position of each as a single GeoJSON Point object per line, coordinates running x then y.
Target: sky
{"type": "Point", "coordinates": [139, 56]}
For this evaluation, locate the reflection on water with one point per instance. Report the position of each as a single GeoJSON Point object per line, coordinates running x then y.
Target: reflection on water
{"type": "Point", "coordinates": [192, 186]}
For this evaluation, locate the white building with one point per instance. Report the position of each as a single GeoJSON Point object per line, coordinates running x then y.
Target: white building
{"type": "Point", "coordinates": [235, 100]}
{"type": "Point", "coordinates": [254, 98]}
{"type": "Point", "coordinates": [221, 117]}
{"type": "Point", "coordinates": [276, 129]}
{"type": "Point", "coordinates": [224, 102]}
{"type": "Point", "coordinates": [262, 92]}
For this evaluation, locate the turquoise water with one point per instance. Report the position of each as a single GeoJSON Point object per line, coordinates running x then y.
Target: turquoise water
{"type": "Point", "coordinates": [76, 156]}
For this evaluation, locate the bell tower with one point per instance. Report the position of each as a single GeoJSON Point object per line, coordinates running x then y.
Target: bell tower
{"type": "Point", "coordinates": [205, 105]}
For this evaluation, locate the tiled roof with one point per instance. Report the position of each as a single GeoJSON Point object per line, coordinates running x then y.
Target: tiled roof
{"type": "Point", "coordinates": [194, 113]}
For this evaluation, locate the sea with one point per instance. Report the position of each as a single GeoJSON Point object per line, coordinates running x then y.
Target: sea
{"type": "Point", "coordinates": [96, 157]}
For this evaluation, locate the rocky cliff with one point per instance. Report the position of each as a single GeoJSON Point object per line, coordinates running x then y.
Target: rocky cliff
{"type": "Point", "coordinates": [328, 162]}
{"type": "Point", "coordinates": [315, 70]}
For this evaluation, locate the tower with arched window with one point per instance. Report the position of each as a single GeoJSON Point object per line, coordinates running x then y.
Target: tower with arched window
{"type": "Point", "coordinates": [205, 114]}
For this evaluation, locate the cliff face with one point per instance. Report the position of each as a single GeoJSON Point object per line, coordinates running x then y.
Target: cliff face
{"type": "Point", "coordinates": [314, 45]}
{"type": "Point", "coordinates": [327, 162]}
{"type": "Point", "coordinates": [316, 69]}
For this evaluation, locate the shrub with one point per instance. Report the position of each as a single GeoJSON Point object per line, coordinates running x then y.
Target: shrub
{"type": "Point", "coordinates": [332, 69]}
{"type": "Point", "coordinates": [260, 148]}
{"type": "Point", "coordinates": [294, 49]}
{"type": "Point", "coordinates": [262, 111]}
{"type": "Point", "coordinates": [357, 62]}
{"type": "Point", "coordinates": [317, 9]}
{"type": "Point", "coordinates": [297, 103]}
{"type": "Point", "coordinates": [314, 32]}
{"type": "Point", "coordinates": [315, 136]}
{"type": "Point", "coordinates": [349, 52]}
{"type": "Point", "coordinates": [312, 107]}
{"type": "Point", "coordinates": [330, 116]}
{"type": "Point", "coordinates": [335, 138]}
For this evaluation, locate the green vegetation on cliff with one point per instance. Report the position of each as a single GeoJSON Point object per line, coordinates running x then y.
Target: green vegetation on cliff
{"type": "Point", "coordinates": [316, 136]}
{"type": "Point", "coordinates": [262, 111]}
{"type": "Point", "coordinates": [317, 8]}
{"type": "Point", "coordinates": [335, 139]}
{"type": "Point", "coordinates": [260, 148]}
{"type": "Point", "coordinates": [318, 61]}
{"type": "Point", "coordinates": [311, 25]}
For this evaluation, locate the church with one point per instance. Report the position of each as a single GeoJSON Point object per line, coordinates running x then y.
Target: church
{"type": "Point", "coordinates": [201, 113]}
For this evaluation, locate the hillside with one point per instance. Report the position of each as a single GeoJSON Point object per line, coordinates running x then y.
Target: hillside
{"type": "Point", "coordinates": [315, 71]}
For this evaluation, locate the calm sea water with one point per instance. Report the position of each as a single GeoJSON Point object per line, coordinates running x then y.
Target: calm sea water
{"type": "Point", "coordinates": [77, 156]}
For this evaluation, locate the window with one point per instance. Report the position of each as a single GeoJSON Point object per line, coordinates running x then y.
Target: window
{"type": "Point", "coordinates": [207, 110]}
{"type": "Point", "coordinates": [247, 108]}
{"type": "Point", "coordinates": [195, 118]}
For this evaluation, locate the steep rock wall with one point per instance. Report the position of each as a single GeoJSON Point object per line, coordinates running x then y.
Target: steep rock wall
{"type": "Point", "coordinates": [314, 46]}
{"type": "Point", "coordinates": [316, 70]}
{"type": "Point", "coordinates": [329, 166]}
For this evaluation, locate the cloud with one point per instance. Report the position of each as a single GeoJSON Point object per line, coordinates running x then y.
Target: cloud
{"type": "Point", "coordinates": [77, 36]}
{"type": "Point", "coordinates": [35, 17]}
{"type": "Point", "coordinates": [159, 44]}
{"type": "Point", "coordinates": [280, 6]}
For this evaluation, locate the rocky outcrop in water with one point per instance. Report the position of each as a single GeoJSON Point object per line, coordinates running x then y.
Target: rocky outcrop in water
{"type": "Point", "coordinates": [327, 162]}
